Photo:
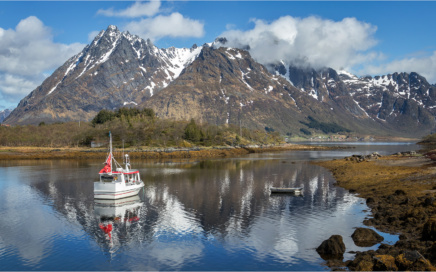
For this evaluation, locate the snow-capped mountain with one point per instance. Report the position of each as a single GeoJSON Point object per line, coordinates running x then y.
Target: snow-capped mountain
{"type": "Point", "coordinates": [114, 70]}
{"type": "Point", "coordinates": [163, 65]}
{"type": "Point", "coordinates": [398, 101]}
{"type": "Point", "coordinates": [383, 97]}
{"type": "Point", "coordinates": [3, 114]}
{"type": "Point", "coordinates": [221, 85]}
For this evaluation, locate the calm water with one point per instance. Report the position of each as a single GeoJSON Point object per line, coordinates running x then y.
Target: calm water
{"type": "Point", "coordinates": [197, 215]}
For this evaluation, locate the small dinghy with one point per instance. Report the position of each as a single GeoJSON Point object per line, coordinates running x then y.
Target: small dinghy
{"type": "Point", "coordinates": [284, 190]}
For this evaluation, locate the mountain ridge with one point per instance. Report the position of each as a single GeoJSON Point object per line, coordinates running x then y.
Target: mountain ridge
{"type": "Point", "coordinates": [223, 85]}
{"type": "Point", "coordinates": [115, 69]}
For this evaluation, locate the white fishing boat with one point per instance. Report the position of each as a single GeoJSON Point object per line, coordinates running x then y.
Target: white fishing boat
{"type": "Point", "coordinates": [115, 181]}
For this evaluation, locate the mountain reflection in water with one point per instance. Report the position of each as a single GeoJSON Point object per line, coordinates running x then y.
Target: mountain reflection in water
{"type": "Point", "coordinates": [206, 215]}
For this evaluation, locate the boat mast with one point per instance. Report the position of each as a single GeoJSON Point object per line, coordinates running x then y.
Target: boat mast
{"type": "Point", "coordinates": [110, 149]}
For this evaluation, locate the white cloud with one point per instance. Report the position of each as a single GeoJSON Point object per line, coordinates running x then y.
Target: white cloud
{"type": "Point", "coordinates": [153, 26]}
{"type": "Point", "coordinates": [13, 85]}
{"type": "Point", "coordinates": [174, 25]}
{"type": "Point", "coordinates": [425, 66]}
{"type": "Point", "coordinates": [13, 88]}
{"type": "Point", "coordinates": [26, 53]}
{"type": "Point", "coordinates": [315, 41]}
{"type": "Point", "coordinates": [29, 49]}
{"type": "Point", "coordinates": [138, 9]}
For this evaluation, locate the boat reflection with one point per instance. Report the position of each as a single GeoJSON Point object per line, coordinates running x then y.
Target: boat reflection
{"type": "Point", "coordinates": [117, 220]}
{"type": "Point", "coordinates": [209, 214]}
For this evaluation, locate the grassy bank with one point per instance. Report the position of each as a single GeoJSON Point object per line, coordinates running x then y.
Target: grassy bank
{"type": "Point", "coordinates": [401, 191]}
{"type": "Point", "coordinates": [134, 128]}
{"type": "Point", "coordinates": [20, 153]}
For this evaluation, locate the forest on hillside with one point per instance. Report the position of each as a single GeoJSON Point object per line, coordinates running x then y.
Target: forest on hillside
{"type": "Point", "coordinates": [133, 128]}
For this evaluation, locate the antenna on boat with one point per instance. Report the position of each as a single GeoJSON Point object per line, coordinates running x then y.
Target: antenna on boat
{"type": "Point", "coordinates": [123, 153]}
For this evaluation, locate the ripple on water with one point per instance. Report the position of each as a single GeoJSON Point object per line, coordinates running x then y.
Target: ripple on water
{"type": "Point", "coordinates": [220, 216]}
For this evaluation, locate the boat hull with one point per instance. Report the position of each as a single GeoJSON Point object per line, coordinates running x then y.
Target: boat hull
{"type": "Point", "coordinates": [108, 191]}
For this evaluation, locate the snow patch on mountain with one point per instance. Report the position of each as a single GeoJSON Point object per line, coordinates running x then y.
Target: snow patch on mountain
{"type": "Point", "coordinates": [176, 59]}
{"type": "Point", "coordinates": [179, 58]}
{"type": "Point", "coordinates": [172, 60]}
{"type": "Point", "coordinates": [54, 88]}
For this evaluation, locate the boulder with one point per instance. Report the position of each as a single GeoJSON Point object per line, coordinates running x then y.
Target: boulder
{"type": "Point", "coordinates": [363, 261]}
{"type": "Point", "coordinates": [332, 248]}
{"type": "Point", "coordinates": [413, 261]}
{"type": "Point", "coordinates": [429, 201]}
{"type": "Point", "coordinates": [433, 252]}
{"type": "Point", "coordinates": [370, 201]}
{"type": "Point", "coordinates": [384, 263]}
{"type": "Point", "coordinates": [364, 237]}
{"type": "Point", "coordinates": [400, 192]}
{"type": "Point", "coordinates": [429, 230]}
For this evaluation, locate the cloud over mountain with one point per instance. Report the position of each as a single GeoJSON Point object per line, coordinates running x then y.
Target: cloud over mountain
{"type": "Point", "coordinates": [138, 9]}
{"type": "Point", "coordinates": [316, 42]}
{"type": "Point", "coordinates": [424, 65]}
{"type": "Point", "coordinates": [26, 53]}
{"type": "Point", "coordinates": [311, 41]}
{"type": "Point", "coordinates": [174, 25]}
{"type": "Point", "coordinates": [154, 23]}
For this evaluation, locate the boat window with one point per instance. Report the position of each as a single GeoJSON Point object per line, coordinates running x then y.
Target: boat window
{"type": "Point", "coordinates": [107, 178]}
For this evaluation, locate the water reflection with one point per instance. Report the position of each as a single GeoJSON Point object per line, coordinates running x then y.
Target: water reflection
{"type": "Point", "coordinates": [206, 215]}
{"type": "Point", "coordinates": [117, 220]}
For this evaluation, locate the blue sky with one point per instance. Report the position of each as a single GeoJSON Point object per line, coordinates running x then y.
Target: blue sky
{"type": "Point", "coordinates": [372, 38]}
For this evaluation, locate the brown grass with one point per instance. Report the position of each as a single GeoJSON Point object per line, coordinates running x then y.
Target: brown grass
{"type": "Point", "coordinates": [17, 153]}
{"type": "Point", "coordinates": [384, 176]}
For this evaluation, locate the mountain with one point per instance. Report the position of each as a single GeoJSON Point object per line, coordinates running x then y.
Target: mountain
{"type": "Point", "coordinates": [401, 102]}
{"type": "Point", "coordinates": [221, 85]}
{"type": "Point", "coordinates": [226, 85]}
{"type": "Point", "coordinates": [397, 99]}
{"type": "Point", "coordinates": [3, 114]}
{"type": "Point", "coordinates": [115, 70]}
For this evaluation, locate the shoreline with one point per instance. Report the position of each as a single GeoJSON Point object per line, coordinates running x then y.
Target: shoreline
{"type": "Point", "coordinates": [38, 153]}
{"type": "Point", "coordinates": [400, 191]}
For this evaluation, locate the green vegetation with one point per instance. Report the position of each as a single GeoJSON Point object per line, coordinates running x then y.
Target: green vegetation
{"type": "Point", "coordinates": [429, 139]}
{"type": "Point", "coordinates": [269, 130]}
{"type": "Point", "coordinates": [193, 133]}
{"type": "Point", "coordinates": [324, 127]}
{"type": "Point", "coordinates": [134, 127]}
{"type": "Point", "coordinates": [106, 115]}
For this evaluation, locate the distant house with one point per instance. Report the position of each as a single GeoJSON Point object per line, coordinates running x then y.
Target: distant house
{"type": "Point", "coordinates": [96, 144]}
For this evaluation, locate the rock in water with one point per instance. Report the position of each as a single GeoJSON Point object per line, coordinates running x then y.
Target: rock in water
{"type": "Point", "coordinates": [364, 237]}
{"type": "Point", "coordinates": [333, 247]}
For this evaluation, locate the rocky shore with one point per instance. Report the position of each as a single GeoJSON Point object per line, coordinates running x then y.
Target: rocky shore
{"type": "Point", "coordinates": [20, 153]}
{"type": "Point", "coordinates": [400, 190]}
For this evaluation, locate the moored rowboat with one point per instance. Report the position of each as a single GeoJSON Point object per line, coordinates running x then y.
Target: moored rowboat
{"type": "Point", "coordinates": [295, 190]}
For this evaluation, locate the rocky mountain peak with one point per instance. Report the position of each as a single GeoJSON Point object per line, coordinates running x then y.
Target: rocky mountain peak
{"type": "Point", "coordinates": [113, 28]}
{"type": "Point", "coordinates": [224, 85]}
{"type": "Point", "coordinates": [4, 113]}
{"type": "Point", "coordinates": [115, 69]}
{"type": "Point", "coordinates": [220, 41]}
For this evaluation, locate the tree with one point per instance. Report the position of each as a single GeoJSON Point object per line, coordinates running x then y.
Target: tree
{"type": "Point", "coordinates": [305, 131]}
{"type": "Point", "coordinates": [193, 133]}
{"type": "Point", "coordinates": [102, 117]}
